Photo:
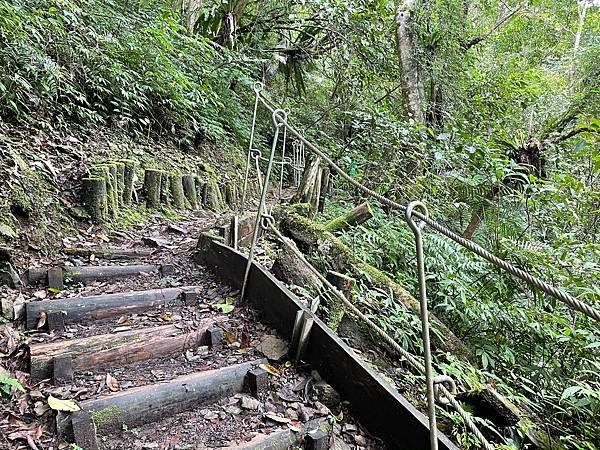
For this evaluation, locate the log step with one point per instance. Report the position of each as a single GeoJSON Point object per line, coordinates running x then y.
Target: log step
{"type": "Point", "coordinates": [148, 404]}
{"type": "Point", "coordinates": [109, 252]}
{"type": "Point", "coordinates": [78, 309]}
{"type": "Point", "coordinates": [115, 349]}
{"type": "Point", "coordinates": [316, 430]}
{"type": "Point", "coordinates": [85, 274]}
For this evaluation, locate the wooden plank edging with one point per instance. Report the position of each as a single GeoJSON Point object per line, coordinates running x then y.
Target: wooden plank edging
{"type": "Point", "coordinates": [372, 399]}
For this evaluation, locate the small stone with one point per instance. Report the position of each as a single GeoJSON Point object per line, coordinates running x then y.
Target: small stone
{"type": "Point", "coordinates": [291, 414]}
{"type": "Point", "coordinates": [326, 394]}
{"type": "Point", "coordinates": [305, 413]}
{"type": "Point", "coordinates": [250, 403]}
{"type": "Point", "coordinates": [273, 347]}
{"type": "Point", "coordinates": [317, 440]}
{"type": "Point", "coordinates": [215, 338]}
{"type": "Point", "coordinates": [360, 440]}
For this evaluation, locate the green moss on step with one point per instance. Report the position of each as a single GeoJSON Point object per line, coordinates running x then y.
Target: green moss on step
{"type": "Point", "coordinates": [106, 415]}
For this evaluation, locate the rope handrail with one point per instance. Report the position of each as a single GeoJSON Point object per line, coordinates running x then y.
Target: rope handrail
{"type": "Point", "coordinates": [529, 278]}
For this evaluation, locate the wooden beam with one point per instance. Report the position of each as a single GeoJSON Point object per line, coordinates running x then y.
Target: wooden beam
{"type": "Point", "coordinates": [116, 349]}
{"type": "Point", "coordinates": [78, 309]}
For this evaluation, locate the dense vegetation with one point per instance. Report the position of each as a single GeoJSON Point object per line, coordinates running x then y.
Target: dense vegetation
{"type": "Point", "coordinates": [496, 130]}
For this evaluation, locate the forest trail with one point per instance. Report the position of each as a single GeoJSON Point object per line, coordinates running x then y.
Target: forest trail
{"type": "Point", "coordinates": [151, 352]}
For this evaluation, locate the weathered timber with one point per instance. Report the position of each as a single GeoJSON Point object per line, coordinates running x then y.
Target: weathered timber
{"type": "Point", "coordinates": [325, 180]}
{"type": "Point", "coordinates": [86, 274]}
{"type": "Point", "coordinates": [394, 418]}
{"type": "Point", "coordinates": [95, 198]}
{"type": "Point", "coordinates": [151, 403]}
{"type": "Point", "coordinates": [165, 189]}
{"type": "Point", "coordinates": [309, 189]}
{"type": "Point", "coordinates": [189, 190]}
{"type": "Point", "coordinates": [120, 168]}
{"type": "Point", "coordinates": [284, 439]}
{"type": "Point", "coordinates": [356, 216]}
{"type": "Point", "coordinates": [84, 430]}
{"type": "Point", "coordinates": [130, 167]}
{"type": "Point", "coordinates": [176, 187]}
{"type": "Point", "coordinates": [200, 183]}
{"type": "Point", "coordinates": [56, 278]}
{"type": "Point", "coordinates": [342, 259]}
{"type": "Point", "coordinates": [94, 307]}
{"type": "Point", "coordinates": [109, 253]}
{"type": "Point", "coordinates": [108, 173]}
{"type": "Point", "coordinates": [345, 284]}
{"type": "Point", "coordinates": [212, 198]}
{"type": "Point", "coordinates": [152, 178]}
{"type": "Point", "coordinates": [289, 269]}
{"type": "Point", "coordinates": [37, 275]}
{"type": "Point", "coordinates": [231, 194]}
{"type": "Point", "coordinates": [117, 349]}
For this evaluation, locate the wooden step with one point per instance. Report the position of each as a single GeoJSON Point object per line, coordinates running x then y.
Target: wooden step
{"type": "Point", "coordinates": [148, 404]}
{"type": "Point", "coordinates": [78, 309]}
{"type": "Point", "coordinates": [115, 349]}
{"type": "Point", "coordinates": [110, 252]}
{"type": "Point", "coordinates": [54, 277]}
{"type": "Point", "coordinates": [317, 431]}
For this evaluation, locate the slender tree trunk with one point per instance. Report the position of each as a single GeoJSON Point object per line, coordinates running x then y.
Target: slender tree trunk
{"type": "Point", "coordinates": [478, 215]}
{"type": "Point", "coordinates": [582, 9]}
{"type": "Point", "coordinates": [412, 85]}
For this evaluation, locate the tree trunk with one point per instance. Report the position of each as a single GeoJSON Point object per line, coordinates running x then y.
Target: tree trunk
{"type": "Point", "coordinates": [412, 85]}
{"type": "Point", "coordinates": [152, 179]}
{"type": "Point", "coordinates": [479, 214]}
{"type": "Point", "coordinates": [308, 185]}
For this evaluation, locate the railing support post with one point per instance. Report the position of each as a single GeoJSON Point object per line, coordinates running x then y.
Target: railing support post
{"type": "Point", "coordinates": [417, 228]}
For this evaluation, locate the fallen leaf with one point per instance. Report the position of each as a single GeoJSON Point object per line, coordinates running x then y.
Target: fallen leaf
{"type": "Point", "coordinates": [62, 405]}
{"type": "Point", "coordinates": [269, 368]}
{"type": "Point", "coordinates": [274, 417]}
{"type": "Point", "coordinates": [112, 383]}
{"type": "Point", "coordinates": [41, 320]}
{"type": "Point", "coordinates": [225, 308]}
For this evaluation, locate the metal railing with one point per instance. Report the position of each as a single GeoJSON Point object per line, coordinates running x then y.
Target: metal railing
{"type": "Point", "coordinates": [440, 388]}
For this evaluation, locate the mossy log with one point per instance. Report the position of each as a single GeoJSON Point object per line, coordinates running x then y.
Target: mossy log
{"type": "Point", "coordinates": [189, 190]}
{"type": "Point", "coordinates": [129, 169]}
{"type": "Point", "coordinates": [231, 194]}
{"type": "Point", "coordinates": [289, 269]}
{"type": "Point", "coordinates": [94, 198]}
{"type": "Point", "coordinates": [152, 179]}
{"type": "Point", "coordinates": [120, 172]}
{"type": "Point", "coordinates": [336, 308]}
{"type": "Point", "coordinates": [356, 216]}
{"type": "Point", "coordinates": [176, 188]}
{"type": "Point", "coordinates": [340, 258]}
{"type": "Point", "coordinates": [200, 183]}
{"type": "Point", "coordinates": [165, 189]}
{"type": "Point", "coordinates": [212, 198]}
{"type": "Point", "coordinates": [109, 173]}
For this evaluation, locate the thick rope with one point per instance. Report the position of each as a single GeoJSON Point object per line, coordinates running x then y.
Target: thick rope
{"type": "Point", "coordinates": [466, 243]}
{"type": "Point", "coordinates": [412, 360]}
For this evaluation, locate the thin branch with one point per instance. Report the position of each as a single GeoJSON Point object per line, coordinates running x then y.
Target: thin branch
{"type": "Point", "coordinates": [499, 23]}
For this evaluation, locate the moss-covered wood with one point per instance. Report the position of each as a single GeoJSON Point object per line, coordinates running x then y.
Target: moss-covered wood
{"type": "Point", "coordinates": [109, 174]}
{"type": "Point", "coordinates": [340, 258]}
{"type": "Point", "coordinates": [189, 190]}
{"type": "Point", "coordinates": [355, 216]}
{"type": "Point", "coordinates": [231, 194]}
{"type": "Point", "coordinates": [212, 197]}
{"type": "Point", "coordinates": [152, 179]}
{"type": "Point", "coordinates": [309, 190]}
{"type": "Point", "coordinates": [200, 184]}
{"type": "Point", "coordinates": [120, 181]}
{"type": "Point", "coordinates": [94, 198]}
{"type": "Point", "coordinates": [129, 170]}
{"type": "Point", "coordinates": [334, 305]}
{"type": "Point", "coordinates": [165, 189]}
{"type": "Point", "coordinates": [176, 188]}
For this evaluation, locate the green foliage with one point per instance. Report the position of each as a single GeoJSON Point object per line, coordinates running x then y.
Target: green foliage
{"type": "Point", "coordinates": [9, 385]}
{"type": "Point", "coordinates": [114, 62]}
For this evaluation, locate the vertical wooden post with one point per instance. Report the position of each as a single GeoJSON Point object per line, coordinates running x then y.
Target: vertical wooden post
{"type": "Point", "coordinates": [344, 284]}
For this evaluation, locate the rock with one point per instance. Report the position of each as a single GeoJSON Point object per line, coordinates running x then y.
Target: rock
{"type": "Point", "coordinates": [324, 391]}
{"type": "Point", "coordinates": [250, 403]}
{"type": "Point", "coordinates": [339, 444]}
{"type": "Point", "coordinates": [291, 414]}
{"type": "Point", "coordinates": [360, 440]}
{"type": "Point", "coordinates": [273, 347]}
{"type": "Point", "coordinates": [9, 276]}
{"type": "Point", "coordinates": [305, 413]}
